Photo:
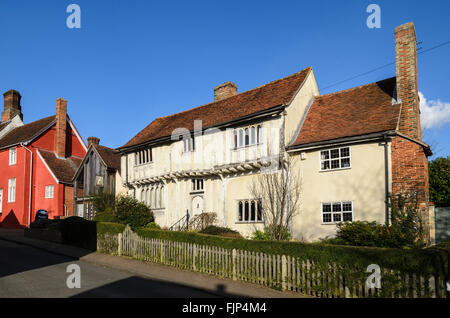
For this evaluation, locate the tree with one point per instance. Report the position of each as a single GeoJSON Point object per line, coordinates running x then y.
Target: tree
{"type": "Point", "coordinates": [279, 192]}
{"type": "Point", "coordinates": [439, 173]}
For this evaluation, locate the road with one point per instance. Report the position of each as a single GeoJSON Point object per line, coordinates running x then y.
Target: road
{"type": "Point", "coordinates": [29, 272]}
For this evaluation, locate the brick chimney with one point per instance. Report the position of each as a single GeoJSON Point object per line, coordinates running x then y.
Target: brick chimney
{"type": "Point", "coordinates": [406, 70]}
{"type": "Point", "coordinates": [224, 90]}
{"type": "Point", "coordinates": [12, 105]}
{"type": "Point", "coordinates": [93, 140]}
{"type": "Point", "coordinates": [61, 125]}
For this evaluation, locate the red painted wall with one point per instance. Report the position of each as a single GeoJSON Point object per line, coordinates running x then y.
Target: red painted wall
{"type": "Point", "coordinates": [15, 214]}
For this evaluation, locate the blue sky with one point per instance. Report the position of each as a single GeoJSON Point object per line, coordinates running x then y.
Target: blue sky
{"type": "Point", "coordinates": [133, 61]}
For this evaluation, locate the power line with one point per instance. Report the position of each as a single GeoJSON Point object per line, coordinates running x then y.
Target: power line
{"type": "Point", "coordinates": [380, 67]}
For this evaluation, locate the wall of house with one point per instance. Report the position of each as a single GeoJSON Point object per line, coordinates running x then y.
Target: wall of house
{"type": "Point", "coordinates": [296, 110]}
{"type": "Point", "coordinates": [363, 184]}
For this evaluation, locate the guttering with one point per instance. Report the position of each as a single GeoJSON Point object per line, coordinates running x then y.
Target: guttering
{"type": "Point", "coordinates": [31, 179]}
{"type": "Point", "coordinates": [342, 141]}
{"type": "Point", "coordinates": [270, 111]}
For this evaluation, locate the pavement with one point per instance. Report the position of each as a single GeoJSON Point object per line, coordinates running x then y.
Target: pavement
{"type": "Point", "coordinates": [35, 268]}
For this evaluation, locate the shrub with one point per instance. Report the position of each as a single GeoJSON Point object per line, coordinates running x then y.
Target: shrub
{"type": "Point", "coordinates": [266, 235]}
{"type": "Point", "coordinates": [106, 216]}
{"type": "Point", "coordinates": [104, 201]}
{"type": "Point", "coordinates": [221, 231]}
{"type": "Point", "coordinates": [153, 225]}
{"type": "Point", "coordinates": [133, 212]}
{"type": "Point", "coordinates": [109, 228]}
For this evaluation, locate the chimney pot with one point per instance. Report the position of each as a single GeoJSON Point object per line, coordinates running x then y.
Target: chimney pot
{"type": "Point", "coordinates": [12, 105]}
{"type": "Point", "coordinates": [224, 90]}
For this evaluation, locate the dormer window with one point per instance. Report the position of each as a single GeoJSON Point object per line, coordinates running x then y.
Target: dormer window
{"type": "Point", "coordinates": [143, 156]}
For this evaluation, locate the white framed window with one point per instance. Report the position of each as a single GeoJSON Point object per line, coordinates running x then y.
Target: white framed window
{"type": "Point", "coordinates": [247, 136]}
{"type": "Point", "coordinates": [188, 144]}
{"type": "Point", "coordinates": [143, 156]}
{"type": "Point", "coordinates": [197, 185]}
{"type": "Point", "coordinates": [333, 212]}
{"type": "Point", "coordinates": [336, 158]}
{"type": "Point", "coordinates": [249, 211]}
{"type": "Point", "coordinates": [12, 156]}
{"type": "Point", "coordinates": [49, 191]}
{"type": "Point", "coordinates": [12, 190]}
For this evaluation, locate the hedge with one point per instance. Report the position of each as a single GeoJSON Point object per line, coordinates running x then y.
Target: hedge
{"type": "Point", "coordinates": [430, 261]}
{"type": "Point", "coordinates": [109, 228]}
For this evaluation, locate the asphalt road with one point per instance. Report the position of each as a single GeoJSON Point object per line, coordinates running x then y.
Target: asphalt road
{"type": "Point", "coordinates": [29, 272]}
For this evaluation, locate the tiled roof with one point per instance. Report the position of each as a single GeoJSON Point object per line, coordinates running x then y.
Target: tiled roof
{"type": "Point", "coordinates": [273, 94]}
{"type": "Point", "coordinates": [25, 132]}
{"type": "Point", "coordinates": [110, 156]}
{"type": "Point", "coordinates": [3, 124]}
{"type": "Point", "coordinates": [353, 112]}
{"type": "Point", "coordinates": [63, 169]}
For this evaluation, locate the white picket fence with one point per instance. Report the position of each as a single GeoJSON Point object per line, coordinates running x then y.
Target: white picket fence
{"type": "Point", "coordinates": [276, 271]}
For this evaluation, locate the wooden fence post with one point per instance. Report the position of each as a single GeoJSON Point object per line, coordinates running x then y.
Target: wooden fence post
{"type": "Point", "coordinates": [119, 249]}
{"type": "Point", "coordinates": [283, 272]}
{"type": "Point", "coordinates": [233, 261]}
{"type": "Point", "coordinates": [194, 257]}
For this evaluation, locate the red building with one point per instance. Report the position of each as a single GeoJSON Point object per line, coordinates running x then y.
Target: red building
{"type": "Point", "coordinates": [37, 163]}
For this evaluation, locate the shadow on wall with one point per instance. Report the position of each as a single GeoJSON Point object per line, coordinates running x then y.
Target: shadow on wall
{"type": "Point", "coordinates": [11, 222]}
{"type": "Point", "coordinates": [442, 224]}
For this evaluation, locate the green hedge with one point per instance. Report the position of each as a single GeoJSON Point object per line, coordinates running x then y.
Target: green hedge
{"type": "Point", "coordinates": [109, 228]}
{"type": "Point", "coordinates": [420, 261]}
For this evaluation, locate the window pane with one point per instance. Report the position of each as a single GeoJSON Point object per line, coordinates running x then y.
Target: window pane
{"type": "Point", "coordinates": [327, 217]}
{"type": "Point", "coordinates": [336, 207]}
{"type": "Point", "coordinates": [324, 155]}
{"type": "Point", "coordinates": [334, 164]}
{"type": "Point", "coordinates": [247, 137]}
{"type": "Point", "coordinates": [235, 139]}
{"type": "Point", "coordinates": [259, 132]}
{"type": "Point", "coordinates": [241, 137]}
{"type": "Point", "coordinates": [246, 218]}
{"type": "Point", "coordinates": [334, 153]}
{"type": "Point", "coordinates": [337, 217]}
{"type": "Point", "coordinates": [345, 152]}
{"type": "Point", "coordinates": [345, 163]}
{"type": "Point", "coordinates": [346, 206]}
{"type": "Point", "coordinates": [240, 212]}
{"type": "Point", "coordinates": [347, 216]}
{"type": "Point", "coordinates": [259, 211]}
{"type": "Point", "coordinates": [326, 207]}
{"type": "Point", "coordinates": [253, 135]}
{"type": "Point", "coordinates": [253, 211]}
{"type": "Point", "coordinates": [325, 165]}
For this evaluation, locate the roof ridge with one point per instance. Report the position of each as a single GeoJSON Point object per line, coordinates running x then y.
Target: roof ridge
{"type": "Point", "coordinates": [255, 88]}
{"type": "Point", "coordinates": [354, 88]}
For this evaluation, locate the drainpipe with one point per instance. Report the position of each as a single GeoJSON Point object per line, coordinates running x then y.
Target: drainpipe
{"type": "Point", "coordinates": [386, 178]}
{"type": "Point", "coordinates": [31, 178]}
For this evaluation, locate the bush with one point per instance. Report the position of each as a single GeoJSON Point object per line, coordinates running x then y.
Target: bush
{"type": "Point", "coordinates": [221, 231]}
{"type": "Point", "coordinates": [106, 216]}
{"type": "Point", "coordinates": [266, 235]}
{"type": "Point", "coordinates": [153, 225]}
{"type": "Point", "coordinates": [133, 212]}
{"type": "Point", "coordinates": [109, 228]}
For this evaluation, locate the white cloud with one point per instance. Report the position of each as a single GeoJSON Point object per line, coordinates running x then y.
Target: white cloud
{"type": "Point", "coordinates": [434, 113]}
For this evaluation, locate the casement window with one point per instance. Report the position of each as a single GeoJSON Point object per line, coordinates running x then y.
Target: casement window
{"type": "Point", "coordinates": [248, 136]}
{"type": "Point", "coordinates": [188, 144]}
{"type": "Point", "coordinates": [143, 156]}
{"type": "Point", "coordinates": [154, 197]}
{"type": "Point", "coordinates": [197, 185]}
{"type": "Point", "coordinates": [12, 156]}
{"type": "Point", "coordinates": [337, 158]}
{"type": "Point", "coordinates": [49, 191]}
{"type": "Point", "coordinates": [250, 211]}
{"type": "Point", "coordinates": [337, 212]}
{"type": "Point", "coordinates": [12, 190]}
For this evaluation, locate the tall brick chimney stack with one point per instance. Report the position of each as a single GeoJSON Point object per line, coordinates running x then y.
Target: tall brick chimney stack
{"type": "Point", "coordinates": [61, 125]}
{"type": "Point", "coordinates": [12, 105]}
{"type": "Point", "coordinates": [93, 140]}
{"type": "Point", "coordinates": [406, 70]}
{"type": "Point", "coordinates": [224, 90]}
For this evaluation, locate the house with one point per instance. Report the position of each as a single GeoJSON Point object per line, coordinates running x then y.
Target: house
{"type": "Point", "coordinates": [37, 161]}
{"type": "Point", "coordinates": [98, 172]}
{"type": "Point", "coordinates": [352, 149]}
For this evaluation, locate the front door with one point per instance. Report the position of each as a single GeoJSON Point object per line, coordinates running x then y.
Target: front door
{"type": "Point", "coordinates": [80, 207]}
{"type": "Point", "coordinates": [197, 205]}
